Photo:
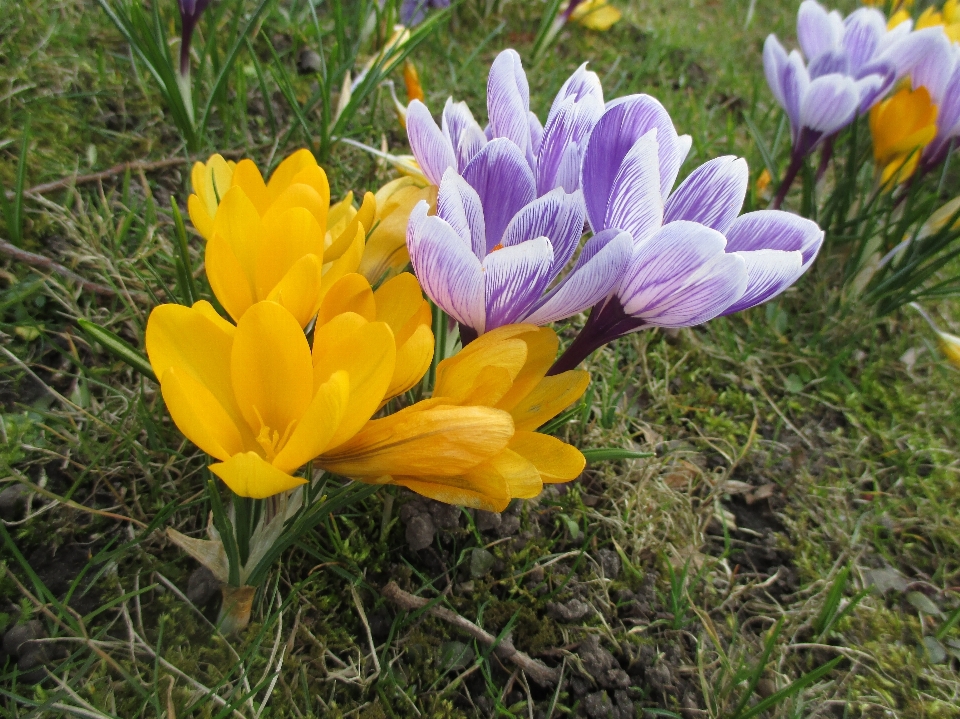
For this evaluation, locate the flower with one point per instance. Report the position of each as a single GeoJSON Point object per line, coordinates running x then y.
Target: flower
{"type": "Point", "coordinates": [210, 180]}
{"type": "Point", "coordinates": [475, 442]}
{"type": "Point", "coordinates": [492, 251]}
{"type": "Point", "coordinates": [902, 126]}
{"type": "Point", "coordinates": [593, 14]}
{"type": "Point", "coordinates": [553, 151]}
{"type": "Point", "coordinates": [948, 18]}
{"type": "Point", "coordinates": [385, 253]}
{"type": "Point", "coordinates": [256, 398]}
{"type": "Point", "coordinates": [693, 258]}
{"type": "Point", "coordinates": [412, 12]}
{"type": "Point", "coordinates": [190, 12]}
{"type": "Point", "coordinates": [938, 71]}
{"type": "Point", "coordinates": [949, 343]}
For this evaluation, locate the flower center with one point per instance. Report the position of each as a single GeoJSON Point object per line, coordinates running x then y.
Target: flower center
{"type": "Point", "coordinates": [270, 440]}
{"type": "Point", "coordinates": [498, 246]}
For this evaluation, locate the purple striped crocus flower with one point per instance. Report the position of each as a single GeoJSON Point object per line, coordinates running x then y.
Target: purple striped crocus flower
{"type": "Point", "coordinates": [493, 253]}
{"type": "Point", "coordinates": [939, 72]}
{"type": "Point", "coordinates": [190, 12]}
{"type": "Point", "coordinates": [552, 151]}
{"type": "Point", "coordinates": [692, 257]}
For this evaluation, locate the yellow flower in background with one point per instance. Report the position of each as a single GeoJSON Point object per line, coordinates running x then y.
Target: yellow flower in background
{"type": "Point", "coordinates": [897, 18]}
{"type": "Point", "coordinates": [256, 398]}
{"type": "Point", "coordinates": [595, 14]}
{"type": "Point", "coordinates": [474, 443]}
{"type": "Point", "coordinates": [385, 253]}
{"type": "Point", "coordinates": [399, 303]}
{"type": "Point", "coordinates": [949, 343]}
{"type": "Point", "coordinates": [902, 126]}
{"type": "Point", "coordinates": [762, 184]}
{"type": "Point", "coordinates": [211, 180]}
{"type": "Point", "coordinates": [411, 78]}
{"type": "Point", "coordinates": [947, 17]}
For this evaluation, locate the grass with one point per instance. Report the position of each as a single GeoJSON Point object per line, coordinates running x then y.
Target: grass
{"type": "Point", "coordinates": [800, 455]}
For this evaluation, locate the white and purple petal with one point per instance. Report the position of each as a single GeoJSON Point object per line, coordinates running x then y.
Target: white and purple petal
{"type": "Point", "coordinates": [558, 216]}
{"type": "Point", "coordinates": [796, 82]}
{"type": "Point", "coordinates": [774, 64]}
{"type": "Point", "coordinates": [508, 100]}
{"type": "Point", "coordinates": [712, 194]}
{"type": "Point", "coordinates": [636, 205]}
{"type": "Point", "coordinates": [569, 124]}
{"type": "Point", "coordinates": [682, 277]}
{"type": "Point", "coordinates": [458, 204]}
{"type": "Point", "coordinates": [504, 181]}
{"type": "Point", "coordinates": [863, 31]}
{"type": "Point", "coordinates": [830, 104]}
{"type": "Point", "coordinates": [463, 131]}
{"type": "Point", "coordinates": [430, 146]}
{"type": "Point", "coordinates": [514, 279]}
{"type": "Point", "coordinates": [583, 86]}
{"type": "Point", "coordinates": [829, 62]}
{"type": "Point", "coordinates": [769, 272]}
{"type": "Point", "coordinates": [449, 273]}
{"type": "Point", "coordinates": [775, 230]}
{"type": "Point", "coordinates": [596, 274]}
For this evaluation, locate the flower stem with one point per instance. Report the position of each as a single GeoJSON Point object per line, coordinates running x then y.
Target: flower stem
{"type": "Point", "coordinates": [796, 162]}
{"type": "Point", "coordinates": [235, 610]}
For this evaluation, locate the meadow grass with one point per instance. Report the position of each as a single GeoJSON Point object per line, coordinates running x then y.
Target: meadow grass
{"type": "Point", "coordinates": [804, 451]}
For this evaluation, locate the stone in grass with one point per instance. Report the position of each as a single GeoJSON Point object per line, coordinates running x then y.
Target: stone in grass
{"type": "Point", "coordinates": [488, 521]}
{"type": "Point", "coordinates": [602, 665]}
{"type": "Point", "coordinates": [599, 706]}
{"type": "Point", "coordinates": [481, 562]}
{"type": "Point", "coordinates": [455, 656]}
{"type": "Point", "coordinates": [309, 61]}
{"type": "Point", "coordinates": [609, 563]}
{"type": "Point", "coordinates": [420, 531]}
{"type": "Point", "coordinates": [423, 517]}
{"type": "Point", "coordinates": [20, 634]}
{"type": "Point", "coordinates": [202, 587]}
{"type": "Point", "coordinates": [13, 502]}
{"type": "Point", "coordinates": [570, 611]}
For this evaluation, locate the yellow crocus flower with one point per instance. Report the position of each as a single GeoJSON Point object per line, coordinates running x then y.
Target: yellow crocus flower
{"type": "Point", "coordinates": [211, 180]}
{"type": "Point", "coordinates": [902, 126]}
{"type": "Point", "coordinates": [256, 398]}
{"type": "Point", "coordinates": [385, 253]}
{"type": "Point", "coordinates": [399, 303]}
{"type": "Point", "coordinates": [948, 18]}
{"type": "Point", "coordinates": [493, 394]}
{"type": "Point", "coordinates": [596, 15]}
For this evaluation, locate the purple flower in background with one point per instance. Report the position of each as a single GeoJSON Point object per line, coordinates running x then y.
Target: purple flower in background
{"type": "Point", "coordinates": [692, 257]}
{"type": "Point", "coordinates": [190, 12]}
{"type": "Point", "coordinates": [412, 12]}
{"type": "Point", "coordinates": [553, 151]}
{"type": "Point", "coordinates": [939, 72]}
{"type": "Point", "coordinates": [493, 252]}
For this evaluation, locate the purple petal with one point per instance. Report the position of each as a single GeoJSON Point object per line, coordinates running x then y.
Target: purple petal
{"type": "Point", "coordinates": [515, 277]}
{"type": "Point", "coordinates": [769, 272]}
{"type": "Point", "coordinates": [433, 151]}
{"type": "Point", "coordinates": [502, 177]}
{"type": "Point", "coordinates": [625, 121]}
{"type": "Point", "coordinates": [448, 271]}
{"type": "Point", "coordinates": [934, 69]}
{"type": "Point", "coordinates": [775, 230]}
{"type": "Point", "coordinates": [682, 277]}
{"type": "Point", "coordinates": [556, 216]}
{"type": "Point", "coordinates": [583, 86]}
{"type": "Point", "coordinates": [870, 89]}
{"type": "Point", "coordinates": [464, 133]}
{"type": "Point", "coordinates": [774, 64]}
{"type": "Point", "coordinates": [796, 82]}
{"type": "Point", "coordinates": [570, 122]}
{"type": "Point", "coordinates": [905, 49]}
{"type": "Point", "coordinates": [459, 206]}
{"type": "Point", "coordinates": [711, 195]}
{"type": "Point", "coordinates": [863, 30]}
{"type": "Point", "coordinates": [536, 133]}
{"type": "Point", "coordinates": [948, 117]}
{"type": "Point", "coordinates": [598, 271]}
{"type": "Point", "coordinates": [830, 104]}
{"type": "Point", "coordinates": [817, 30]}
{"type": "Point", "coordinates": [508, 100]}
{"type": "Point", "coordinates": [829, 62]}
{"type": "Point", "coordinates": [636, 205]}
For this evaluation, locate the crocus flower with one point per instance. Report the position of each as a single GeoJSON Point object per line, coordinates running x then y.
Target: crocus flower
{"type": "Point", "coordinates": [412, 12]}
{"type": "Point", "coordinates": [493, 249]}
{"type": "Point", "coordinates": [902, 126]}
{"type": "Point", "coordinates": [949, 343]}
{"type": "Point", "coordinates": [553, 151]}
{"type": "Point", "coordinates": [254, 396]}
{"type": "Point", "coordinates": [190, 12]}
{"type": "Point", "coordinates": [592, 14]}
{"type": "Point", "coordinates": [478, 444]}
{"type": "Point", "coordinates": [948, 18]}
{"type": "Point", "coordinates": [693, 258]}
{"type": "Point", "coordinates": [939, 73]}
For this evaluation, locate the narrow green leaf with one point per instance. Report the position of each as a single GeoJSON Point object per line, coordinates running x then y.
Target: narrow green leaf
{"type": "Point", "coordinates": [119, 348]}
{"type": "Point", "coordinates": [793, 688]}
{"type": "Point", "coordinates": [613, 454]}
{"type": "Point", "coordinates": [189, 286]}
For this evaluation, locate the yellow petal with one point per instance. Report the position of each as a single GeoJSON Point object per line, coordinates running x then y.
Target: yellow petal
{"type": "Point", "coordinates": [228, 279]}
{"type": "Point", "coordinates": [210, 181]}
{"type": "Point", "coordinates": [327, 336]}
{"type": "Point", "coordinates": [249, 475]}
{"type": "Point", "coordinates": [291, 166]}
{"type": "Point", "coordinates": [362, 219]}
{"type": "Point", "coordinates": [200, 217]}
{"type": "Point", "coordinates": [247, 176]}
{"type": "Point", "coordinates": [346, 263]}
{"type": "Point", "coordinates": [271, 370]}
{"type": "Point", "coordinates": [319, 422]}
{"type": "Point", "coordinates": [299, 195]}
{"type": "Point", "coordinates": [339, 215]}
{"type": "Point", "coordinates": [199, 415]}
{"type": "Point", "coordinates": [542, 346]}
{"type": "Point", "coordinates": [450, 494]}
{"type": "Point", "coordinates": [351, 293]}
{"type": "Point", "coordinates": [556, 461]}
{"type": "Point", "coordinates": [386, 250]}
{"type": "Point", "coordinates": [413, 360]}
{"type": "Point", "coordinates": [187, 339]}
{"type": "Point", "coordinates": [596, 15]}
{"type": "Point", "coordinates": [287, 237]}
{"type": "Point", "coordinates": [368, 356]}
{"type": "Point", "coordinates": [549, 398]}
{"type": "Point", "coordinates": [519, 474]}
{"type": "Point", "coordinates": [299, 290]}
{"type": "Point", "coordinates": [400, 299]}
{"type": "Point", "coordinates": [239, 223]}
{"type": "Point", "coordinates": [315, 177]}
{"type": "Point", "coordinates": [428, 440]}
{"type": "Point", "coordinates": [206, 309]}
{"type": "Point", "coordinates": [460, 375]}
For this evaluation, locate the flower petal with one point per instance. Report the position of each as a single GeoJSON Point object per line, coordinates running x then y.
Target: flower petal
{"type": "Point", "coordinates": [636, 204]}
{"type": "Point", "coordinates": [817, 30]}
{"type": "Point", "coordinates": [448, 271]}
{"type": "Point", "coordinates": [429, 440]}
{"type": "Point", "coordinates": [249, 475]}
{"type": "Point", "coordinates": [433, 151]}
{"type": "Point", "coordinates": [299, 292]}
{"type": "Point", "coordinates": [458, 204]}
{"type": "Point", "coordinates": [542, 344]}
{"type": "Point", "coordinates": [504, 182]}
{"type": "Point", "coordinates": [514, 278]}
{"type": "Point", "coordinates": [348, 262]}
{"type": "Point", "coordinates": [558, 216]}
{"type": "Point", "coordinates": [682, 277]}
{"type": "Point", "coordinates": [775, 230]}
{"type": "Point", "coordinates": [711, 195]}
{"type": "Point", "coordinates": [230, 283]}
{"type": "Point", "coordinates": [271, 369]}
{"type": "Point", "coordinates": [829, 104]}
{"type": "Point", "coordinates": [769, 272]}
{"type": "Point", "coordinates": [460, 496]}
{"type": "Point", "coordinates": [774, 64]}
{"type": "Point", "coordinates": [351, 293]}
{"type": "Point", "coordinates": [508, 101]}
{"type": "Point", "coordinates": [549, 398]}
{"type": "Point", "coordinates": [318, 424]}
{"type": "Point", "coordinates": [287, 237]}
{"type": "Point", "coordinates": [288, 169]}
{"type": "Point", "coordinates": [246, 176]}
{"type": "Point", "coordinates": [464, 133]}
{"type": "Point", "coordinates": [199, 415]}
{"type": "Point", "coordinates": [598, 271]}
{"type": "Point", "coordinates": [556, 461]}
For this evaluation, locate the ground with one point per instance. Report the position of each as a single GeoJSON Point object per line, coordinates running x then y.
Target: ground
{"type": "Point", "coordinates": [800, 505]}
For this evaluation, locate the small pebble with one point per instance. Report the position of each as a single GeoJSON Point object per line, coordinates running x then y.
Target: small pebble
{"type": "Point", "coordinates": [202, 587]}
{"type": "Point", "coordinates": [13, 502]}
{"type": "Point", "coordinates": [309, 61]}
{"type": "Point", "coordinates": [20, 634]}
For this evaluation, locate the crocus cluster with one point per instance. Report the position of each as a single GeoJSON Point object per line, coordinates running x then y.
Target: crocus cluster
{"type": "Point", "coordinates": [506, 242]}
{"type": "Point", "coordinates": [309, 351]}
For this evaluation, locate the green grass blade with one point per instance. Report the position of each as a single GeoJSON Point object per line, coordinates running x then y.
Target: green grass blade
{"type": "Point", "coordinates": [612, 455]}
{"type": "Point", "coordinates": [119, 348]}
{"type": "Point", "coordinates": [793, 688]}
